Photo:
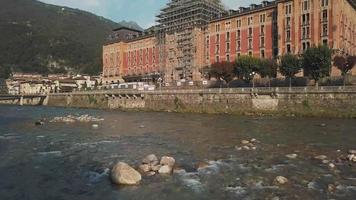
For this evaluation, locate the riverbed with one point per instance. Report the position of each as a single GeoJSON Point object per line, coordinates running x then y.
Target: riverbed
{"type": "Point", "coordinates": [73, 160]}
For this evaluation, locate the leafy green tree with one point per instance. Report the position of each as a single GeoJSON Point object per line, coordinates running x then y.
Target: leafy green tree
{"type": "Point", "coordinates": [289, 66]}
{"type": "Point", "coordinates": [345, 64]}
{"type": "Point", "coordinates": [245, 67]}
{"type": "Point", "coordinates": [222, 71]}
{"type": "Point", "coordinates": [5, 72]}
{"type": "Point", "coordinates": [267, 68]}
{"type": "Point", "coordinates": [317, 62]}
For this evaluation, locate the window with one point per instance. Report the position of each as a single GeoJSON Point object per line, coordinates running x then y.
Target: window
{"type": "Point", "coordinates": [288, 9]}
{"type": "Point", "coordinates": [227, 25]}
{"type": "Point", "coordinates": [217, 38]}
{"type": "Point", "coordinates": [250, 20]}
{"type": "Point", "coordinates": [325, 42]}
{"type": "Point", "coordinates": [305, 19]}
{"type": "Point", "coordinates": [288, 48]}
{"type": "Point", "coordinates": [217, 59]}
{"type": "Point", "coordinates": [325, 30]}
{"type": "Point", "coordinates": [288, 21]}
{"type": "Point", "coordinates": [249, 32]}
{"type": "Point", "coordinates": [250, 43]}
{"type": "Point", "coordinates": [146, 55]}
{"type": "Point", "coordinates": [217, 27]}
{"type": "Point", "coordinates": [262, 29]}
{"type": "Point", "coordinates": [227, 47]}
{"type": "Point", "coordinates": [238, 55]}
{"type": "Point", "coordinates": [305, 5]}
{"type": "Point", "coordinates": [262, 41]}
{"type": "Point", "coordinates": [217, 49]}
{"type": "Point", "coordinates": [228, 58]}
{"type": "Point", "coordinates": [288, 35]}
{"type": "Point", "coordinates": [250, 53]}
{"type": "Point", "coordinates": [238, 34]}
{"type": "Point", "coordinates": [228, 36]}
{"type": "Point", "coordinates": [324, 3]}
{"type": "Point", "coordinates": [238, 23]}
{"type": "Point", "coordinates": [238, 45]}
{"type": "Point", "coordinates": [325, 15]}
{"type": "Point", "coordinates": [262, 53]}
{"type": "Point", "coordinates": [262, 18]}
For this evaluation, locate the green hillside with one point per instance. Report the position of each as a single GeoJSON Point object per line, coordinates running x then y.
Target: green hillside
{"type": "Point", "coordinates": [37, 37]}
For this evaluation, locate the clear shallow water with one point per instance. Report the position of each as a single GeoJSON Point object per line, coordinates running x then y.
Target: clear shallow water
{"type": "Point", "coordinates": [71, 161]}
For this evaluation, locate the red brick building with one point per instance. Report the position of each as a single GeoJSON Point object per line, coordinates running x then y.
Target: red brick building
{"type": "Point", "coordinates": [183, 49]}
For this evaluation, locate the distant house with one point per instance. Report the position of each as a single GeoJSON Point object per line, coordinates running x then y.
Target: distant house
{"type": "Point", "coordinates": [35, 87]}
{"type": "Point", "coordinates": [65, 85]}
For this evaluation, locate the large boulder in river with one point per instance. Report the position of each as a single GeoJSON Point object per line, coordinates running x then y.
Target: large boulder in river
{"type": "Point", "coordinates": [150, 159]}
{"type": "Point", "coordinates": [123, 174]}
{"type": "Point", "coordinates": [166, 160]}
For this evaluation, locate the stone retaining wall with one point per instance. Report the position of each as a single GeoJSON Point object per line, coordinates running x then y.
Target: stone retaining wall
{"type": "Point", "coordinates": [321, 103]}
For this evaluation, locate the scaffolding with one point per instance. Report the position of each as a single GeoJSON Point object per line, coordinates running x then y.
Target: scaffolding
{"type": "Point", "coordinates": [179, 23]}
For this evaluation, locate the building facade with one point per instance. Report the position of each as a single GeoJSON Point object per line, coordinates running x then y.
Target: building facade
{"type": "Point", "coordinates": [187, 41]}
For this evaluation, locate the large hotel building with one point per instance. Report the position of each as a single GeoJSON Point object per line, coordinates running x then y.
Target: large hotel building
{"type": "Point", "coordinates": [193, 34]}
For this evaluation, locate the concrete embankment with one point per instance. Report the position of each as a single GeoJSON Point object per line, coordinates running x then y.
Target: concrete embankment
{"type": "Point", "coordinates": [322, 102]}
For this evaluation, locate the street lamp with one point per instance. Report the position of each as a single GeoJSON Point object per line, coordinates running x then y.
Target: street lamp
{"type": "Point", "coordinates": [253, 79]}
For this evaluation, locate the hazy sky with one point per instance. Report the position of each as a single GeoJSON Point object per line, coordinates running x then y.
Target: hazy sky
{"type": "Point", "coordinates": [141, 11]}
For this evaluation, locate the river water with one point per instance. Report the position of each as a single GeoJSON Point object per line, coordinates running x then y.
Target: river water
{"type": "Point", "coordinates": [72, 161]}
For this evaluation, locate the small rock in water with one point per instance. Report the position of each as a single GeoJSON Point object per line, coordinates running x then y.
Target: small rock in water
{"type": "Point", "coordinates": [95, 126]}
{"type": "Point", "coordinates": [144, 168]}
{"type": "Point", "coordinates": [352, 151]}
{"type": "Point", "coordinates": [246, 147]}
{"type": "Point", "coordinates": [321, 157]}
{"type": "Point", "coordinates": [253, 140]}
{"type": "Point", "coordinates": [351, 158]}
{"type": "Point", "coordinates": [292, 156]}
{"type": "Point", "coordinates": [325, 161]}
{"type": "Point", "coordinates": [150, 173]}
{"type": "Point", "coordinates": [331, 188]}
{"type": "Point", "coordinates": [238, 148]}
{"type": "Point", "coordinates": [155, 168]}
{"type": "Point", "coordinates": [150, 159]}
{"type": "Point", "coordinates": [202, 165]}
{"type": "Point", "coordinates": [179, 171]}
{"type": "Point", "coordinates": [245, 142]}
{"type": "Point", "coordinates": [39, 123]}
{"type": "Point", "coordinates": [322, 125]}
{"type": "Point", "coordinates": [165, 169]}
{"type": "Point", "coordinates": [142, 126]}
{"type": "Point", "coordinates": [123, 174]}
{"type": "Point", "coordinates": [280, 180]}
{"type": "Point", "coordinates": [331, 165]}
{"type": "Point", "coordinates": [166, 160]}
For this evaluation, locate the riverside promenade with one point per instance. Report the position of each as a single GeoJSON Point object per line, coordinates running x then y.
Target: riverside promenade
{"type": "Point", "coordinates": [301, 101]}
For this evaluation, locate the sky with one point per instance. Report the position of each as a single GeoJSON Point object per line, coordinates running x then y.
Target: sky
{"type": "Point", "coordinates": [141, 11]}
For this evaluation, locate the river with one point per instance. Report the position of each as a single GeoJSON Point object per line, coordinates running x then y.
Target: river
{"type": "Point", "coordinates": [60, 161]}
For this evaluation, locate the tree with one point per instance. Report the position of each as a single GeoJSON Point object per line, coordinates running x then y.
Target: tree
{"type": "Point", "coordinates": [222, 71]}
{"type": "Point", "coordinates": [5, 72]}
{"type": "Point", "coordinates": [290, 65]}
{"type": "Point", "coordinates": [345, 64]}
{"type": "Point", "coordinates": [317, 62]}
{"type": "Point", "coordinates": [245, 67]}
{"type": "Point", "coordinates": [267, 68]}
